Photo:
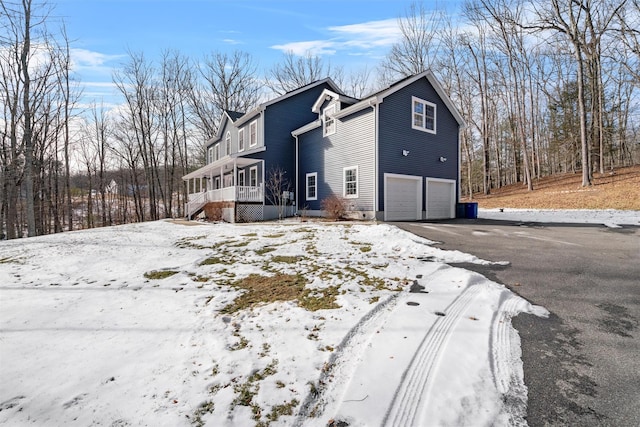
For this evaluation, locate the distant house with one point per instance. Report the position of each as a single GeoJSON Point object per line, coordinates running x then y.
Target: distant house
{"type": "Point", "coordinates": [392, 156]}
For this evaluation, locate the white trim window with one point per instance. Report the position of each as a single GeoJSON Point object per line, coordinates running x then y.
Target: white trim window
{"type": "Point", "coordinates": [227, 144]}
{"type": "Point", "coordinates": [241, 139]}
{"type": "Point", "coordinates": [328, 122]}
{"type": "Point", "coordinates": [241, 178]}
{"type": "Point", "coordinates": [216, 152]}
{"type": "Point", "coordinates": [253, 133]}
{"type": "Point", "coordinates": [210, 155]}
{"type": "Point", "coordinates": [423, 115]}
{"type": "Point", "coordinates": [312, 186]}
{"type": "Point", "coordinates": [350, 182]}
{"type": "Point", "coordinates": [253, 176]}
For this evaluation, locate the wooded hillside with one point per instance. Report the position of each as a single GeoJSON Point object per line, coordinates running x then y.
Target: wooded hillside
{"type": "Point", "coordinates": [546, 88]}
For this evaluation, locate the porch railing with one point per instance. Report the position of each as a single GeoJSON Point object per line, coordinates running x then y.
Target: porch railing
{"type": "Point", "coordinates": [227, 194]}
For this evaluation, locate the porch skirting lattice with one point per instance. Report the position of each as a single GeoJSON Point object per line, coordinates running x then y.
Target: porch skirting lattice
{"type": "Point", "coordinates": [249, 212]}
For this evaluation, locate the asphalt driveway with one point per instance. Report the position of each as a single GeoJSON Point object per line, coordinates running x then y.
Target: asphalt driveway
{"type": "Point", "coordinates": [582, 364]}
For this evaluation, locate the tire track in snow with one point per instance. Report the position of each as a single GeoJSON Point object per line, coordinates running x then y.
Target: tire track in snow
{"type": "Point", "coordinates": [413, 388]}
{"type": "Point", "coordinates": [506, 364]}
{"type": "Point", "coordinates": [501, 342]}
{"type": "Point", "coordinates": [343, 361]}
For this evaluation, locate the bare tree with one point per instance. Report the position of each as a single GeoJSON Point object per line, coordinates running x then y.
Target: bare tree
{"type": "Point", "coordinates": [418, 46]}
{"type": "Point", "coordinates": [574, 19]}
{"type": "Point", "coordinates": [277, 189]}
{"type": "Point", "coordinates": [295, 71]}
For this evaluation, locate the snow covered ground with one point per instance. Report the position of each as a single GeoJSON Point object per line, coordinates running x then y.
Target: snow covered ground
{"type": "Point", "coordinates": [609, 217]}
{"type": "Point", "coordinates": [161, 324]}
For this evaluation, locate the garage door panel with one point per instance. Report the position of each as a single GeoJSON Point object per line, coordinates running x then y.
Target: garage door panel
{"type": "Point", "coordinates": [440, 199]}
{"type": "Point", "coordinates": [403, 201]}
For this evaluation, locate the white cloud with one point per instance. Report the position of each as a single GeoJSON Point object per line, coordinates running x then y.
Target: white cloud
{"type": "Point", "coordinates": [84, 58]}
{"type": "Point", "coordinates": [352, 39]}
{"type": "Point", "coordinates": [316, 48]}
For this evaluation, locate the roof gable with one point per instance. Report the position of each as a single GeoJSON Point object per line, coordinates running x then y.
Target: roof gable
{"type": "Point", "coordinates": [379, 96]}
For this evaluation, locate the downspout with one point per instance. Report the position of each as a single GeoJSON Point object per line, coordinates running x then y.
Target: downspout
{"type": "Point", "coordinates": [376, 203]}
{"type": "Point", "coordinates": [297, 188]}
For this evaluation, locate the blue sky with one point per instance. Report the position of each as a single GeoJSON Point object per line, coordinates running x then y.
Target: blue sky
{"type": "Point", "coordinates": [351, 33]}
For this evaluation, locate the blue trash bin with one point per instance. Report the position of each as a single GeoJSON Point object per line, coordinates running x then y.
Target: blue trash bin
{"type": "Point", "coordinates": [471, 210]}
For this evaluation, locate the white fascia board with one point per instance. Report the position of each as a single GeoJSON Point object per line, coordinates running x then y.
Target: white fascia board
{"type": "Point", "coordinates": [306, 128]}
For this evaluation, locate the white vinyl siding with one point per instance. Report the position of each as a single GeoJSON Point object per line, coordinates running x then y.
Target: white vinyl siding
{"type": "Point", "coordinates": [312, 186]}
{"type": "Point", "coordinates": [423, 115]}
{"type": "Point", "coordinates": [350, 176]}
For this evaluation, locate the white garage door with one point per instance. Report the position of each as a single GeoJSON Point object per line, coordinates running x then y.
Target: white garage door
{"type": "Point", "coordinates": [441, 195]}
{"type": "Point", "coordinates": [402, 197]}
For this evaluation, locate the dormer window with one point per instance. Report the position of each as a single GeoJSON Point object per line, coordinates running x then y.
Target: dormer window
{"type": "Point", "coordinates": [328, 122]}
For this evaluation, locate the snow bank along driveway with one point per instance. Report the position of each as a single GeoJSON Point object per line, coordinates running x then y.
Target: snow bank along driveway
{"type": "Point", "coordinates": [273, 324]}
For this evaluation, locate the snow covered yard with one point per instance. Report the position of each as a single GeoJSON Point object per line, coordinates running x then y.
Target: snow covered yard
{"type": "Point", "coordinates": [270, 324]}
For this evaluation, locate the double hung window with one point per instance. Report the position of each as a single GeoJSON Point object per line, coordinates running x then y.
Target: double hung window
{"type": "Point", "coordinates": [424, 115]}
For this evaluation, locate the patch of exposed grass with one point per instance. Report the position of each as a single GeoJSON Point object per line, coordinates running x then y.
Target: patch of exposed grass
{"type": "Point", "coordinates": [280, 410]}
{"type": "Point", "coordinates": [240, 344]}
{"type": "Point", "coordinates": [323, 299]}
{"type": "Point", "coordinates": [204, 408]}
{"type": "Point", "coordinates": [285, 259]}
{"type": "Point", "coordinates": [159, 274]}
{"type": "Point", "coordinates": [187, 242]}
{"type": "Point", "coordinates": [365, 249]}
{"type": "Point", "coordinates": [266, 289]}
{"type": "Point", "coordinates": [250, 235]}
{"type": "Point", "coordinates": [199, 279]}
{"type": "Point", "coordinates": [264, 250]}
{"type": "Point", "coordinates": [9, 260]}
{"type": "Point", "coordinates": [214, 260]}
{"type": "Point", "coordinates": [247, 390]}
{"type": "Point", "coordinates": [374, 300]}
{"type": "Point", "coordinates": [281, 287]}
{"type": "Point", "coordinates": [274, 236]}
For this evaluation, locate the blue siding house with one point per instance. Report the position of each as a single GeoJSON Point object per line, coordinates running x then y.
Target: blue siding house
{"type": "Point", "coordinates": [392, 156]}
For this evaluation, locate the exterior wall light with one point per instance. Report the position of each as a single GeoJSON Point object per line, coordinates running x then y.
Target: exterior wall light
{"type": "Point", "coordinates": [443, 159]}
{"type": "Point", "coordinates": [405, 153]}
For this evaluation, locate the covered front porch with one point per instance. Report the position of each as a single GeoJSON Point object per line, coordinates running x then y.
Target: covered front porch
{"type": "Point", "coordinates": [230, 179]}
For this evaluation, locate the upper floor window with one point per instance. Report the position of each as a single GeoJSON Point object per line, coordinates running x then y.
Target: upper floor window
{"type": "Point", "coordinates": [253, 133]}
{"type": "Point", "coordinates": [253, 176]}
{"type": "Point", "coordinates": [328, 122]}
{"type": "Point", "coordinates": [312, 186]}
{"type": "Point", "coordinates": [241, 140]}
{"type": "Point", "coordinates": [216, 152]}
{"type": "Point", "coordinates": [210, 155]}
{"type": "Point", "coordinates": [227, 144]}
{"type": "Point", "coordinates": [350, 189]}
{"type": "Point", "coordinates": [424, 115]}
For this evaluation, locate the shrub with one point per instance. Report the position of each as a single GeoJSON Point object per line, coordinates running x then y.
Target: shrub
{"type": "Point", "coordinates": [335, 207]}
